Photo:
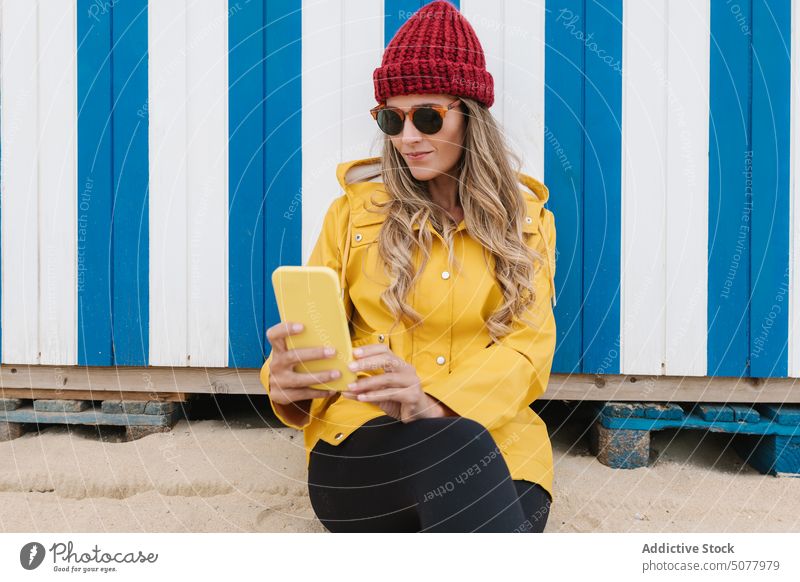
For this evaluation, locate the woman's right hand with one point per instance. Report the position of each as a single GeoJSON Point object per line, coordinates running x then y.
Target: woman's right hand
{"type": "Point", "coordinates": [286, 385]}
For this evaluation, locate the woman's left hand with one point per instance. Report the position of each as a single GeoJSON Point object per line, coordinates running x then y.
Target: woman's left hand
{"type": "Point", "coordinates": [398, 391]}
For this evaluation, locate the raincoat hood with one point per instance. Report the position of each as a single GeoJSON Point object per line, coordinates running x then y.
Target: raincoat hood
{"type": "Point", "coordinates": [357, 177]}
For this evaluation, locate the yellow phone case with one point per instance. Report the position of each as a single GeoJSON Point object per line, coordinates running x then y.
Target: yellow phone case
{"type": "Point", "coordinates": [311, 295]}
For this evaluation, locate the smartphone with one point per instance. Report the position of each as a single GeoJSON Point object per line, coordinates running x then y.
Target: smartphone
{"type": "Point", "coordinates": [311, 295]}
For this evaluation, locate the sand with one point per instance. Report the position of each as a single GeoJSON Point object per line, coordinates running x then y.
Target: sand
{"type": "Point", "coordinates": [240, 470]}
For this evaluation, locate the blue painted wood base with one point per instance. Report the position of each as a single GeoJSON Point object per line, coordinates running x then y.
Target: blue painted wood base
{"type": "Point", "coordinates": [620, 448]}
{"type": "Point", "coordinates": [144, 417]}
{"type": "Point", "coordinates": [767, 436]}
{"type": "Point", "coordinates": [773, 454]}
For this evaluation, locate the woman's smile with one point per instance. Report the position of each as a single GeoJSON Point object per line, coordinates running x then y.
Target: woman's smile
{"type": "Point", "coordinates": [417, 156]}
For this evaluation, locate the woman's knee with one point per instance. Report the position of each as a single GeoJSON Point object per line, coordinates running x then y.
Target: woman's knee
{"type": "Point", "coordinates": [459, 433]}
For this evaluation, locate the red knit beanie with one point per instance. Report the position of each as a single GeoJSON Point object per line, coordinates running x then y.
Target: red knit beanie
{"type": "Point", "coordinates": [435, 51]}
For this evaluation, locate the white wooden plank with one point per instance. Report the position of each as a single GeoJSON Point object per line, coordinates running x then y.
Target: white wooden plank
{"type": "Point", "coordinates": [362, 49]}
{"type": "Point", "coordinates": [207, 72]}
{"type": "Point", "coordinates": [20, 188]}
{"type": "Point", "coordinates": [644, 132]}
{"type": "Point", "coordinates": [57, 112]}
{"type": "Point", "coordinates": [488, 20]}
{"type": "Point", "coordinates": [322, 112]}
{"type": "Point", "coordinates": [794, 202]}
{"type": "Point", "coordinates": [687, 193]}
{"type": "Point", "coordinates": [523, 98]}
{"type": "Point", "coordinates": [168, 182]}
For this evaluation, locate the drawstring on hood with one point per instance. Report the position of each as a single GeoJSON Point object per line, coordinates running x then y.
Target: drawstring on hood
{"type": "Point", "coordinates": [541, 194]}
{"type": "Point", "coordinates": [549, 266]}
{"type": "Point", "coordinates": [345, 256]}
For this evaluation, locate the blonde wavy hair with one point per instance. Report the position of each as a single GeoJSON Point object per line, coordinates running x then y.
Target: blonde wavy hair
{"type": "Point", "coordinates": [494, 210]}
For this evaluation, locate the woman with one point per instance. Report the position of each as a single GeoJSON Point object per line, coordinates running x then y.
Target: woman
{"type": "Point", "coordinates": [445, 256]}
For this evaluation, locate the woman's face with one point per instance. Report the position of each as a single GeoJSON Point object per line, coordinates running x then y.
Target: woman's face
{"type": "Point", "coordinates": [445, 146]}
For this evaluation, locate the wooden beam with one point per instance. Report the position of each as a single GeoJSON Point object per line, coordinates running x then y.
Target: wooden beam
{"type": "Point", "coordinates": [671, 388]}
{"type": "Point", "coordinates": [174, 383]}
{"type": "Point", "coordinates": [152, 381]}
{"type": "Point", "coordinates": [36, 393]}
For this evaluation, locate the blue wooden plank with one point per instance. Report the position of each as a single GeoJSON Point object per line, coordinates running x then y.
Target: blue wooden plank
{"type": "Point", "coordinates": [712, 412]}
{"type": "Point", "coordinates": [122, 406]}
{"type": "Point", "coordinates": [59, 405]}
{"type": "Point", "coordinates": [772, 64]}
{"type": "Point", "coordinates": [94, 186]}
{"type": "Point", "coordinates": [1, 238]}
{"type": "Point", "coordinates": [694, 421]}
{"type": "Point", "coordinates": [650, 410]}
{"type": "Point", "coordinates": [624, 409]}
{"type": "Point", "coordinates": [283, 145]}
{"type": "Point", "coordinates": [730, 191]}
{"type": "Point", "coordinates": [563, 170]}
{"type": "Point", "coordinates": [602, 186]}
{"type": "Point", "coordinates": [29, 415]}
{"type": "Point", "coordinates": [788, 414]}
{"type": "Point", "coordinates": [396, 13]}
{"type": "Point", "coordinates": [744, 413]}
{"type": "Point", "coordinates": [778, 455]}
{"type": "Point", "coordinates": [10, 403]}
{"type": "Point", "coordinates": [129, 218]}
{"type": "Point", "coordinates": [246, 325]}
{"type": "Point", "coordinates": [664, 411]}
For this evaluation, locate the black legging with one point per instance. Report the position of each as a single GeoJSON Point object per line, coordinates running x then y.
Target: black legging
{"type": "Point", "coordinates": [433, 474]}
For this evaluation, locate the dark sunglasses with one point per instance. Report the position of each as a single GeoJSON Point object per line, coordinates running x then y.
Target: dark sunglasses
{"type": "Point", "coordinates": [426, 118]}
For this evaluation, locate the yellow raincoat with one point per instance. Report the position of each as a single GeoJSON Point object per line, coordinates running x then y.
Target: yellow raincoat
{"type": "Point", "coordinates": [491, 384]}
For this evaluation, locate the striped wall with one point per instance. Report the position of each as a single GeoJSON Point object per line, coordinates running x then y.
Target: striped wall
{"type": "Point", "coordinates": [583, 170]}
{"type": "Point", "coordinates": [664, 187]}
{"type": "Point", "coordinates": [749, 188]}
{"type": "Point", "coordinates": [770, 138]}
{"type": "Point", "coordinates": [38, 180]}
{"type": "Point", "coordinates": [188, 137]}
{"type": "Point", "coordinates": [265, 165]}
{"type": "Point", "coordinates": [159, 158]}
{"type": "Point", "coordinates": [113, 258]}
{"type": "Point", "coordinates": [793, 303]}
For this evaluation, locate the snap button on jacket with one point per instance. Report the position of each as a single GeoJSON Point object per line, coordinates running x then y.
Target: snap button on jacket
{"type": "Point", "coordinates": [458, 364]}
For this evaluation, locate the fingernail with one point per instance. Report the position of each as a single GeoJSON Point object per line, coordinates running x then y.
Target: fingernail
{"type": "Point", "coordinates": [297, 327]}
{"type": "Point", "coordinates": [351, 385]}
{"type": "Point", "coordinates": [329, 351]}
{"type": "Point", "coordinates": [353, 366]}
{"type": "Point", "coordinates": [335, 374]}
{"type": "Point", "coordinates": [357, 351]}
